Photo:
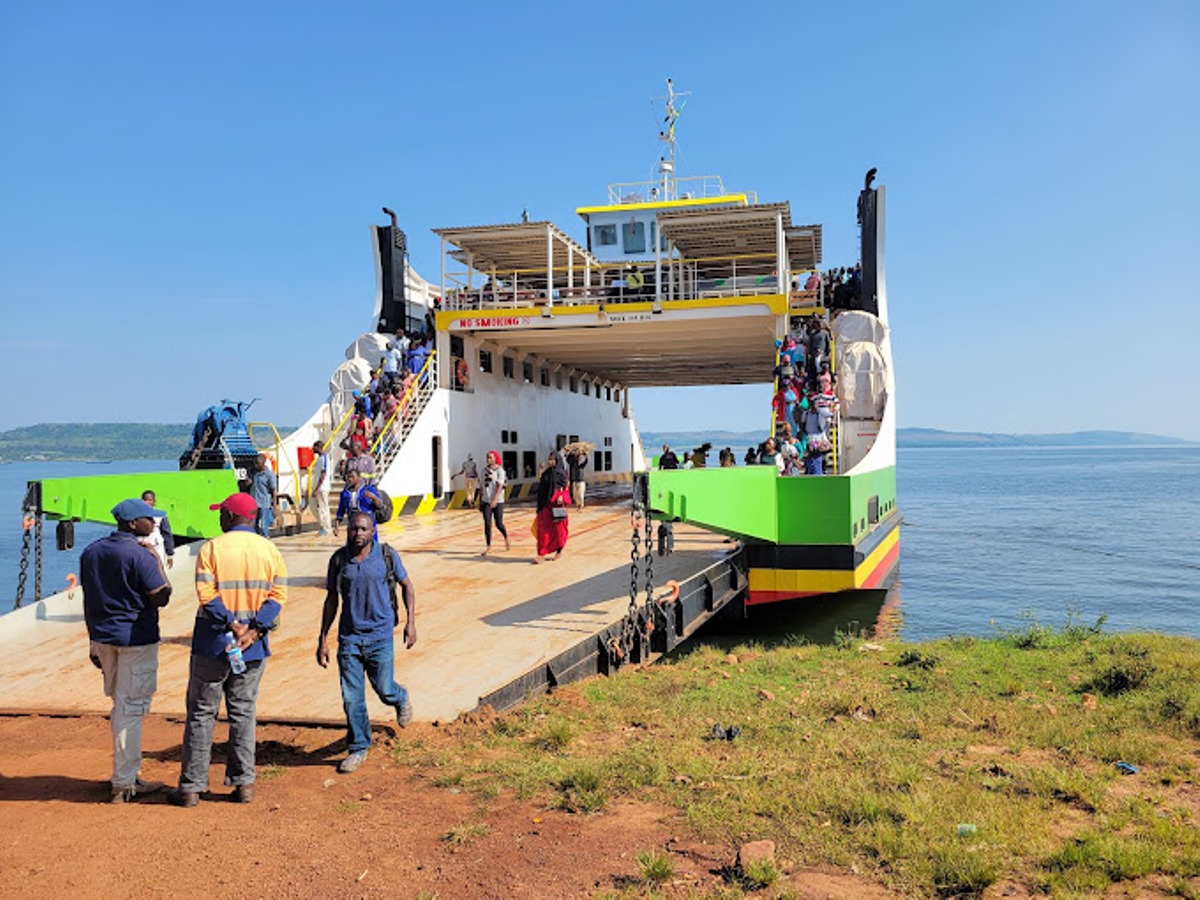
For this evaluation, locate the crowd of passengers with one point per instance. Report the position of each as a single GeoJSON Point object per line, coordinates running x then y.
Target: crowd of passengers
{"type": "Point", "coordinates": [804, 406]}
{"type": "Point", "coordinates": [805, 401]}
{"type": "Point", "coordinates": [380, 406]}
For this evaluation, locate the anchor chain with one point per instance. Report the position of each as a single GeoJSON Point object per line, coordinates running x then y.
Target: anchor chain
{"type": "Point", "coordinates": [37, 558]}
{"type": "Point", "coordinates": [646, 620]}
{"type": "Point", "coordinates": [24, 572]}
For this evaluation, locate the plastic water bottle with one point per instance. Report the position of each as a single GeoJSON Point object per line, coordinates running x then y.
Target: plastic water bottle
{"type": "Point", "coordinates": [233, 652]}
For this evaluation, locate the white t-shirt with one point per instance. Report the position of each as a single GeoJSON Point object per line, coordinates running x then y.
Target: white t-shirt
{"type": "Point", "coordinates": [493, 484]}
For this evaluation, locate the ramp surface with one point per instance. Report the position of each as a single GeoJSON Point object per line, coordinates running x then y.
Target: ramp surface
{"type": "Point", "coordinates": [481, 621]}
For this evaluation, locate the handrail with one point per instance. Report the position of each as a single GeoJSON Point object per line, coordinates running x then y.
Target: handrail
{"type": "Point", "coordinates": [279, 457]}
{"type": "Point", "coordinates": [679, 279]}
{"type": "Point", "coordinates": [426, 370]}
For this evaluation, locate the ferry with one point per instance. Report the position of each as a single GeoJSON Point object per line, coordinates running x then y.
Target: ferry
{"type": "Point", "coordinates": [539, 333]}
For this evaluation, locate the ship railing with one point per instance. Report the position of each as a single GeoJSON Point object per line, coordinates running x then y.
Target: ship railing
{"type": "Point", "coordinates": [396, 430]}
{"type": "Point", "coordinates": [623, 193]}
{"type": "Point", "coordinates": [803, 300]}
{"type": "Point", "coordinates": [744, 275]}
{"type": "Point", "coordinates": [333, 446]}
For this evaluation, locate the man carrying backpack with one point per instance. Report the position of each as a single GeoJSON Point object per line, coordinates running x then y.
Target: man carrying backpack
{"type": "Point", "coordinates": [364, 575]}
{"type": "Point", "coordinates": [356, 497]}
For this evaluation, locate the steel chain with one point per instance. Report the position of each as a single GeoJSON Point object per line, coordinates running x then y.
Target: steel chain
{"type": "Point", "coordinates": [24, 569]}
{"type": "Point", "coordinates": [37, 559]}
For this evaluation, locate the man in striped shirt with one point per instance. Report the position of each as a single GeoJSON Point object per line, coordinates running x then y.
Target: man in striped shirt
{"type": "Point", "coordinates": [241, 583]}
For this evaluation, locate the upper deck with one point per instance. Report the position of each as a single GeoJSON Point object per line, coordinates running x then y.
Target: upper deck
{"type": "Point", "coordinates": [717, 283]}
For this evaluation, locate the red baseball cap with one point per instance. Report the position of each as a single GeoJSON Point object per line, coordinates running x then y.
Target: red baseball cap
{"type": "Point", "coordinates": [241, 505]}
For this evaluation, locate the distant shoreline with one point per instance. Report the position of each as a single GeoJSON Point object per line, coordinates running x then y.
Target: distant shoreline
{"type": "Point", "coordinates": [112, 442]}
{"type": "Point", "coordinates": [922, 438]}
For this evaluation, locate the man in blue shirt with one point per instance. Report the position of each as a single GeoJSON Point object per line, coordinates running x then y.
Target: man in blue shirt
{"type": "Point", "coordinates": [366, 582]}
{"type": "Point", "coordinates": [355, 497]}
{"type": "Point", "coordinates": [264, 488]}
{"type": "Point", "coordinates": [393, 359]}
{"type": "Point", "coordinates": [123, 588]}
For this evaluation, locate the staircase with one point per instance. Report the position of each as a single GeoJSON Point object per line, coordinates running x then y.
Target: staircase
{"type": "Point", "coordinates": [390, 438]}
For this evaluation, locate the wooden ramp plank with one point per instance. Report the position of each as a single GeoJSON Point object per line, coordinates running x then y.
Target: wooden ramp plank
{"type": "Point", "coordinates": [481, 622]}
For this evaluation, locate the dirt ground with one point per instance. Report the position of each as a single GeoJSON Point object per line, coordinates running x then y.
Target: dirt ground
{"type": "Point", "coordinates": [380, 832]}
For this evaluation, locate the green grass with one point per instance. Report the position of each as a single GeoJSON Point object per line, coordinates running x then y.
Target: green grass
{"type": "Point", "coordinates": [464, 833]}
{"type": "Point", "coordinates": [870, 760]}
{"type": "Point", "coordinates": [656, 867]}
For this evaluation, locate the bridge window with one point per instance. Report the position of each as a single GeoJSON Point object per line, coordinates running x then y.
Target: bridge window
{"type": "Point", "coordinates": [606, 235]}
{"type": "Point", "coordinates": [507, 363]}
{"type": "Point", "coordinates": [545, 376]}
{"type": "Point", "coordinates": [485, 361]}
{"type": "Point", "coordinates": [633, 237]}
{"type": "Point", "coordinates": [608, 392]}
{"type": "Point", "coordinates": [527, 372]}
{"type": "Point", "coordinates": [573, 385]}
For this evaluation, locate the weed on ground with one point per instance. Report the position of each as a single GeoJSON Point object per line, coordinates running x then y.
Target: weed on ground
{"type": "Point", "coordinates": [933, 769]}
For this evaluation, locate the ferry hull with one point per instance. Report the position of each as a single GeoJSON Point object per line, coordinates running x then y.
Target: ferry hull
{"type": "Point", "coordinates": [780, 572]}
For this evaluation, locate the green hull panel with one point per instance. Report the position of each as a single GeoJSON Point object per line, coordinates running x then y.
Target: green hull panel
{"type": "Point", "coordinates": [754, 502]}
{"type": "Point", "coordinates": [183, 496]}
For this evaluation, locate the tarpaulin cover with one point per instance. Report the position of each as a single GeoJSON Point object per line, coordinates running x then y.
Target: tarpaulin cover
{"type": "Point", "coordinates": [861, 370]}
{"type": "Point", "coordinates": [352, 375]}
{"type": "Point", "coordinates": [369, 347]}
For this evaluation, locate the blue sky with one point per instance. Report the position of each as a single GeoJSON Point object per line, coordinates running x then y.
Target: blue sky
{"type": "Point", "coordinates": [186, 190]}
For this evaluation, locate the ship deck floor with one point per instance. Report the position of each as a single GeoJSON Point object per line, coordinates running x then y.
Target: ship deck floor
{"type": "Point", "coordinates": [481, 621]}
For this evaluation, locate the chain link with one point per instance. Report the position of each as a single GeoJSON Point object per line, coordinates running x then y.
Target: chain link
{"type": "Point", "coordinates": [24, 568]}
{"type": "Point", "coordinates": [37, 559]}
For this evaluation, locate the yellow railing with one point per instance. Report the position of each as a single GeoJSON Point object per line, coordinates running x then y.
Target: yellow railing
{"type": "Point", "coordinates": [280, 458]}
{"type": "Point", "coordinates": [422, 376]}
{"type": "Point", "coordinates": [682, 279]}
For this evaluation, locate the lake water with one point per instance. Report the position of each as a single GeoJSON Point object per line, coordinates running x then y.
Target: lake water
{"type": "Point", "coordinates": [989, 536]}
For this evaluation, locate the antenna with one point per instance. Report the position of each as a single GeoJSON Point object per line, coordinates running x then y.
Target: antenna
{"type": "Point", "coordinates": [666, 164]}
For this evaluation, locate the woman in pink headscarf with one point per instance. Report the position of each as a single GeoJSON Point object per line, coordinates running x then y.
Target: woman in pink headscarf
{"type": "Point", "coordinates": [491, 500]}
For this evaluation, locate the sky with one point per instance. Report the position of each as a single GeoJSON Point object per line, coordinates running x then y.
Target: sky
{"type": "Point", "coordinates": [186, 189]}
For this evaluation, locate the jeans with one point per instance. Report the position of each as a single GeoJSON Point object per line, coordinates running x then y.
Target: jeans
{"type": "Point", "coordinates": [262, 523]}
{"type": "Point", "coordinates": [130, 677]}
{"type": "Point", "coordinates": [208, 680]}
{"type": "Point", "coordinates": [376, 657]}
{"type": "Point", "coordinates": [491, 513]}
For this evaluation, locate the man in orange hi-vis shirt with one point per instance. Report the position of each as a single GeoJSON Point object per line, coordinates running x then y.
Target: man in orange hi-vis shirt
{"type": "Point", "coordinates": [241, 583]}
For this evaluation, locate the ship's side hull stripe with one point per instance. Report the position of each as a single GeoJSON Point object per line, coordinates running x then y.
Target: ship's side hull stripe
{"type": "Point", "coordinates": [833, 557]}
{"type": "Point", "coordinates": [768, 584]}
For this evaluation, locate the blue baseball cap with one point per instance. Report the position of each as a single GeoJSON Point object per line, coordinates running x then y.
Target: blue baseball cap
{"type": "Point", "coordinates": [128, 510]}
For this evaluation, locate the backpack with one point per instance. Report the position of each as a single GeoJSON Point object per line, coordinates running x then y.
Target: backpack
{"type": "Point", "coordinates": [383, 509]}
{"type": "Point", "coordinates": [389, 560]}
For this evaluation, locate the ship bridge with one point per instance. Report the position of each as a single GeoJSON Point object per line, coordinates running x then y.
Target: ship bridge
{"type": "Point", "coordinates": [705, 308]}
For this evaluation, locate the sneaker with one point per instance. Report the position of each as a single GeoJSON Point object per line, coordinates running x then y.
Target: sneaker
{"type": "Point", "coordinates": [404, 714]}
{"type": "Point", "coordinates": [186, 799]}
{"type": "Point", "coordinates": [352, 762]}
{"type": "Point", "coordinates": [243, 793]}
{"type": "Point", "coordinates": [140, 787]}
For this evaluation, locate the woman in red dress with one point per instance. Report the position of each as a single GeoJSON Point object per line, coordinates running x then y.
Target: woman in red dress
{"type": "Point", "coordinates": [552, 503]}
